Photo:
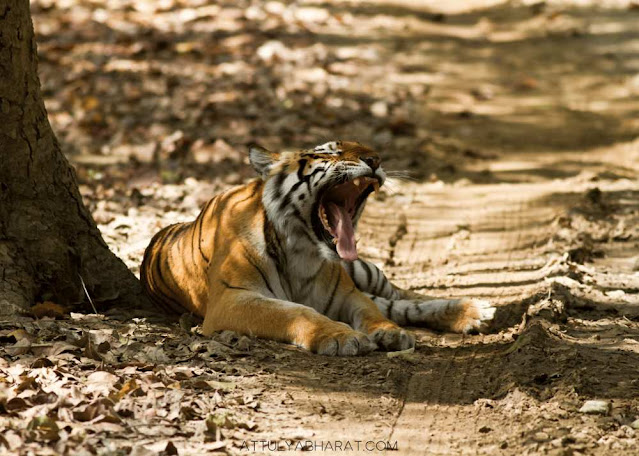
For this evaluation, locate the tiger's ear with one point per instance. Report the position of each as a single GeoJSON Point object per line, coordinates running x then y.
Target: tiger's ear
{"type": "Point", "coordinates": [261, 159]}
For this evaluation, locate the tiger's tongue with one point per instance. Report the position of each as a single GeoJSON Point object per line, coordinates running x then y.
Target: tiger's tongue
{"type": "Point", "coordinates": [340, 221]}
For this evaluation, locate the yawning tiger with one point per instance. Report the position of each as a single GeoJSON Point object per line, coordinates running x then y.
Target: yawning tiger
{"type": "Point", "coordinates": [277, 258]}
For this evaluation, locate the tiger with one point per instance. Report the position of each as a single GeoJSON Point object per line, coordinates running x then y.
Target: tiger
{"type": "Point", "coordinates": [276, 258]}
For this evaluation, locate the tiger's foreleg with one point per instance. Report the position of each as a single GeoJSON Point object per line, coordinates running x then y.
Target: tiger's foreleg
{"type": "Point", "coordinates": [406, 307]}
{"type": "Point", "coordinates": [249, 312]}
{"type": "Point", "coordinates": [348, 304]}
{"type": "Point", "coordinates": [455, 315]}
{"type": "Point", "coordinates": [364, 315]}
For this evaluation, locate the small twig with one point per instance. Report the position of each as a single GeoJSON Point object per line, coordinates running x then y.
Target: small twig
{"type": "Point", "coordinates": [86, 292]}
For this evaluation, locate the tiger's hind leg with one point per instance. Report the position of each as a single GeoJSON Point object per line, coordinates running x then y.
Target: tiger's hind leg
{"type": "Point", "coordinates": [455, 315]}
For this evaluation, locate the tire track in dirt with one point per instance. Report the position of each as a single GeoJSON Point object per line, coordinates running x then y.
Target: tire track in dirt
{"type": "Point", "coordinates": [451, 385]}
{"type": "Point", "coordinates": [445, 422]}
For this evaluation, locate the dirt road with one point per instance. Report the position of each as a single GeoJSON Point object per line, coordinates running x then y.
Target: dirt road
{"type": "Point", "coordinates": [518, 123]}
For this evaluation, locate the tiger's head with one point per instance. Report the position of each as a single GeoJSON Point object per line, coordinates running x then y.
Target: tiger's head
{"type": "Point", "coordinates": [319, 193]}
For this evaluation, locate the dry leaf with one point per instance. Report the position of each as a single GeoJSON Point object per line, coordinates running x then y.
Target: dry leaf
{"type": "Point", "coordinates": [102, 409]}
{"type": "Point", "coordinates": [21, 347]}
{"type": "Point", "coordinates": [49, 309]}
{"type": "Point", "coordinates": [170, 450]}
{"type": "Point", "coordinates": [42, 362]}
{"type": "Point", "coordinates": [129, 387]}
{"type": "Point", "coordinates": [219, 385]}
{"type": "Point", "coordinates": [43, 428]}
{"type": "Point", "coordinates": [91, 351]}
{"type": "Point", "coordinates": [100, 383]}
{"type": "Point", "coordinates": [16, 404]}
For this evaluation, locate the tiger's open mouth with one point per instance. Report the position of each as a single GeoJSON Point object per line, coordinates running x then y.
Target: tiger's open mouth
{"type": "Point", "coordinates": [338, 211]}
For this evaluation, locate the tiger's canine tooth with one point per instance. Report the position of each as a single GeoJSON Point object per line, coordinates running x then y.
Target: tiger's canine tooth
{"type": "Point", "coordinates": [356, 181]}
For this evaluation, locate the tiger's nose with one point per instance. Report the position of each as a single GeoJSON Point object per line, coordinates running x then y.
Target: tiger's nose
{"type": "Point", "coordinates": [372, 162]}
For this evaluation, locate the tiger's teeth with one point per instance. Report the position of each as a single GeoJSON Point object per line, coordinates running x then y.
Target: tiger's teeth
{"type": "Point", "coordinates": [323, 218]}
{"type": "Point", "coordinates": [376, 187]}
{"type": "Point", "coordinates": [335, 241]}
{"type": "Point", "coordinates": [356, 181]}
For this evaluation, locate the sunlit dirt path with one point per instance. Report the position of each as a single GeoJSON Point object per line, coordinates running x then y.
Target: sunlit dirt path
{"type": "Point", "coordinates": [517, 124]}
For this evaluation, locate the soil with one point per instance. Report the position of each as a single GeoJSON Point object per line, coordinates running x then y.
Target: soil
{"type": "Point", "coordinates": [517, 124]}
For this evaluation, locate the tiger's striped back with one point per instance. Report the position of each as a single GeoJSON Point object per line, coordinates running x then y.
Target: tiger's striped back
{"type": "Point", "coordinates": [175, 264]}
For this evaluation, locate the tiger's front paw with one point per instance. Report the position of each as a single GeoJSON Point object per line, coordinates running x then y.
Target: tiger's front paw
{"type": "Point", "coordinates": [476, 315]}
{"type": "Point", "coordinates": [393, 339]}
{"type": "Point", "coordinates": [347, 342]}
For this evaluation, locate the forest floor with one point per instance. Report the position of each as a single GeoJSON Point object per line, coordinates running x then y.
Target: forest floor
{"type": "Point", "coordinates": [519, 125]}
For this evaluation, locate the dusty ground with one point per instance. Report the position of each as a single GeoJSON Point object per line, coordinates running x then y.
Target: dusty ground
{"type": "Point", "coordinates": [518, 125]}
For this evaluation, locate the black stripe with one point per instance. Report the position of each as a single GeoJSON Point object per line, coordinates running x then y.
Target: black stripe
{"type": "Point", "coordinates": [350, 267]}
{"type": "Point", "coordinates": [274, 247]}
{"type": "Point", "coordinates": [279, 181]}
{"type": "Point", "coordinates": [310, 177]}
{"type": "Point", "coordinates": [299, 217]}
{"type": "Point", "coordinates": [145, 273]}
{"type": "Point", "coordinates": [204, 257]}
{"type": "Point", "coordinates": [306, 235]}
{"type": "Point", "coordinates": [306, 179]}
{"type": "Point", "coordinates": [379, 281]}
{"type": "Point", "coordinates": [256, 266]}
{"type": "Point", "coordinates": [159, 275]}
{"type": "Point", "coordinates": [257, 187]}
{"type": "Point", "coordinates": [285, 202]}
{"type": "Point", "coordinates": [295, 186]}
{"type": "Point", "coordinates": [206, 206]}
{"type": "Point", "coordinates": [406, 320]}
{"type": "Point", "coordinates": [286, 285]}
{"type": "Point", "coordinates": [162, 304]}
{"type": "Point", "coordinates": [169, 301]}
{"type": "Point", "coordinates": [270, 240]}
{"type": "Point", "coordinates": [275, 250]}
{"type": "Point", "coordinates": [227, 285]}
{"type": "Point", "coordinates": [301, 179]}
{"type": "Point", "coordinates": [386, 285]}
{"type": "Point", "coordinates": [329, 304]}
{"type": "Point", "coordinates": [216, 203]}
{"type": "Point", "coordinates": [224, 199]}
{"type": "Point", "coordinates": [389, 309]}
{"type": "Point", "coordinates": [232, 191]}
{"type": "Point", "coordinates": [302, 165]}
{"type": "Point", "coordinates": [343, 307]}
{"type": "Point", "coordinates": [193, 244]}
{"type": "Point", "coordinates": [175, 230]}
{"type": "Point", "coordinates": [369, 275]}
{"type": "Point", "coordinates": [199, 236]}
{"type": "Point", "coordinates": [313, 276]}
{"type": "Point", "coordinates": [280, 249]}
{"type": "Point", "coordinates": [153, 278]}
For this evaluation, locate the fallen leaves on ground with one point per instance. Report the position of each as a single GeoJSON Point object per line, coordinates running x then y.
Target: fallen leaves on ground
{"type": "Point", "coordinates": [150, 380]}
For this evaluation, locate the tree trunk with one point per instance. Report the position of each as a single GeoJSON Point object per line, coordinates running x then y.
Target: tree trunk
{"type": "Point", "coordinates": [48, 240]}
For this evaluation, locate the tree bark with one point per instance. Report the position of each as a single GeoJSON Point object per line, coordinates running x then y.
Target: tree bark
{"type": "Point", "coordinates": [49, 243]}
